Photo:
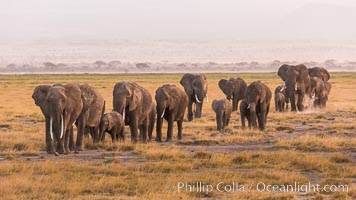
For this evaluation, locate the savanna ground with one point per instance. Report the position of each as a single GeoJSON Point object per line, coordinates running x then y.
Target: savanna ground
{"type": "Point", "coordinates": [316, 146]}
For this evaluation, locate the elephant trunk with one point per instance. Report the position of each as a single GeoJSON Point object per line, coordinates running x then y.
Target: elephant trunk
{"type": "Point", "coordinates": [161, 111]}
{"type": "Point", "coordinates": [57, 131]}
{"type": "Point", "coordinates": [101, 131]}
{"type": "Point", "coordinates": [252, 107]}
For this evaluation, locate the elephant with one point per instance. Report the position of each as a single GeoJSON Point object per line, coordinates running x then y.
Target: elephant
{"type": "Point", "coordinates": [320, 90]}
{"type": "Point", "coordinates": [171, 105]}
{"type": "Point", "coordinates": [222, 109]}
{"type": "Point", "coordinates": [297, 81]}
{"type": "Point", "coordinates": [196, 88]}
{"type": "Point", "coordinates": [280, 98]}
{"type": "Point", "coordinates": [93, 109]}
{"type": "Point", "coordinates": [319, 72]}
{"type": "Point", "coordinates": [245, 113]}
{"type": "Point", "coordinates": [135, 104]}
{"type": "Point", "coordinates": [258, 96]}
{"type": "Point", "coordinates": [113, 124]}
{"type": "Point", "coordinates": [64, 105]}
{"type": "Point", "coordinates": [234, 89]}
{"type": "Point", "coordinates": [39, 95]}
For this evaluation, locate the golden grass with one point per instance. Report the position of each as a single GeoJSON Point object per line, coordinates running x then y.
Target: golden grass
{"type": "Point", "coordinates": [315, 146]}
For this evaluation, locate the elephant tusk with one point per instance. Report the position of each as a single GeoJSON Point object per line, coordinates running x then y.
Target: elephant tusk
{"type": "Point", "coordinates": [164, 111]}
{"type": "Point", "coordinates": [313, 95]}
{"type": "Point", "coordinates": [207, 98]}
{"type": "Point", "coordinates": [282, 89]}
{"type": "Point", "coordinates": [51, 127]}
{"type": "Point", "coordinates": [196, 98]}
{"type": "Point", "coordinates": [249, 105]}
{"type": "Point", "coordinates": [62, 126]}
{"type": "Point", "coordinates": [296, 88]}
{"type": "Point", "coordinates": [123, 115]}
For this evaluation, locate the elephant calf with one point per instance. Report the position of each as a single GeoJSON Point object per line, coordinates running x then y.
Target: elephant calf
{"type": "Point", "coordinates": [113, 124]}
{"type": "Point", "coordinates": [222, 109]}
{"type": "Point", "coordinates": [280, 99]}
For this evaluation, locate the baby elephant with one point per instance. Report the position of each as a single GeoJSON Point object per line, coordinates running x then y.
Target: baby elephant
{"type": "Point", "coordinates": [223, 111]}
{"type": "Point", "coordinates": [245, 113]}
{"type": "Point", "coordinates": [113, 124]}
{"type": "Point", "coordinates": [280, 98]}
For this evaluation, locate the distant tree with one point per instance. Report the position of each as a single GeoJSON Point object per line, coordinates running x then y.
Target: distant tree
{"type": "Point", "coordinates": [330, 63]}
{"type": "Point", "coordinates": [114, 64]}
{"type": "Point", "coordinates": [50, 66]}
{"type": "Point", "coordinates": [99, 63]}
{"type": "Point", "coordinates": [142, 66]}
{"type": "Point", "coordinates": [11, 67]}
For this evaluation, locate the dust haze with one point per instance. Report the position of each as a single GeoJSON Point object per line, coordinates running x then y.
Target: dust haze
{"type": "Point", "coordinates": [176, 33]}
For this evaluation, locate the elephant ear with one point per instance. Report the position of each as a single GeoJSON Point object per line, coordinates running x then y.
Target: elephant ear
{"type": "Point", "coordinates": [73, 92]}
{"type": "Point", "coordinates": [282, 71]}
{"type": "Point", "coordinates": [186, 81]}
{"type": "Point", "coordinates": [136, 97]}
{"type": "Point", "coordinates": [40, 93]}
{"type": "Point", "coordinates": [214, 105]}
{"type": "Point", "coordinates": [222, 85]}
{"type": "Point", "coordinates": [172, 97]}
{"type": "Point", "coordinates": [110, 121]}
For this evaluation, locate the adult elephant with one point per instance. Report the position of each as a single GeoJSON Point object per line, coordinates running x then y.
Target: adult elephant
{"type": "Point", "coordinates": [319, 72]}
{"type": "Point", "coordinates": [93, 109]}
{"type": "Point", "coordinates": [297, 82]}
{"type": "Point", "coordinates": [258, 97]}
{"type": "Point", "coordinates": [196, 88]}
{"type": "Point", "coordinates": [64, 105]}
{"type": "Point", "coordinates": [320, 90]}
{"type": "Point", "coordinates": [134, 103]}
{"type": "Point", "coordinates": [235, 89]}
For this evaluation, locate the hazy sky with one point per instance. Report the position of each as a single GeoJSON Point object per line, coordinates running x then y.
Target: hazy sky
{"type": "Point", "coordinates": [142, 19]}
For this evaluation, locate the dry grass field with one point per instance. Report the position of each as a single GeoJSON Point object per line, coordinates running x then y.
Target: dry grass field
{"type": "Point", "coordinates": [317, 146]}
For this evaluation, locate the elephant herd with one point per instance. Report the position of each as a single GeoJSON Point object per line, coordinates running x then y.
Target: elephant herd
{"type": "Point", "coordinates": [82, 105]}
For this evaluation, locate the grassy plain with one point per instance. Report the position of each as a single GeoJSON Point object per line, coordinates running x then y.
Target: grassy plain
{"type": "Point", "coordinates": [317, 146]}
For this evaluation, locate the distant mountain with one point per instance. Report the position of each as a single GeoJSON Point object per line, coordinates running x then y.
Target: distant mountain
{"type": "Point", "coordinates": [319, 21]}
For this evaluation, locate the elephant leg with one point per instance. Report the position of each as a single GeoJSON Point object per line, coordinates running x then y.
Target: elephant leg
{"type": "Point", "coordinates": [227, 121]}
{"type": "Point", "coordinates": [292, 103]}
{"type": "Point", "coordinates": [134, 128]}
{"type": "Point", "coordinates": [81, 129]}
{"type": "Point", "coordinates": [190, 111]}
{"type": "Point", "coordinates": [224, 121]}
{"type": "Point", "coordinates": [242, 120]}
{"type": "Point", "coordinates": [235, 102]}
{"type": "Point", "coordinates": [66, 141]}
{"type": "Point", "coordinates": [122, 134]}
{"type": "Point", "coordinates": [49, 141]}
{"type": "Point", "coordinates": [170, 128]}
{"type": "Point", "coordinates": [144, 131]}
{"type": "Point", "coordinates": [159, 129]}
{"type": "Point", "coordinates": [300, 102]}
{"type": "Point", "coordinates": [71, 139]}
{"type": "Point", "coordinates": [113, 134]}
{"type": "Point", "coordinates": [180, 127]}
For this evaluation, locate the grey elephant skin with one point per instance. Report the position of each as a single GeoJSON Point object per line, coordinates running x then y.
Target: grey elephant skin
{"type": "Point", "coordinates": [135, 104]}
{"type": "Point", "coordinates": [61, 106]}
{"type": "Point", "coordinates": [245, 113]}
{"type": "Point", "coordinates": [113, 124]}
{"type": "Point", "coordinates": [297, 81]}
{"type": "Point", "coordinates": [196, 88]}
{"type": "Point", "coordinates": [93, 109]}
{"type": "Point", "coordinates": [320, 90]}
{"type": "Point", "coordinates": [258, 97]}
{"type": "Point", "coordinates": [235, 89]}
{"type": "Point", "coordinates": [319, 72]}
{"type": "Point", "coordinates": [171, 105]}
{"type": "Point", "coordinates": [40, 97]}
{"type": "Point", "coordinates": [280, 99]}
{"type": "Point", "coordinates": [222, 109]}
